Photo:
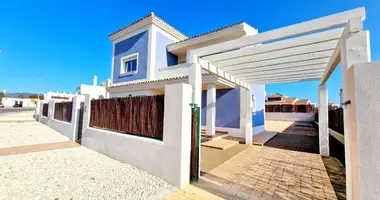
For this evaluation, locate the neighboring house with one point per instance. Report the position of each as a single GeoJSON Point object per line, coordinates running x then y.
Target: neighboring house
{"type": "Point", "coordinates": [280, 103]}
{"type": "Point", "coordinates": [10, 101]}
{"type": "Point", "coordinates": [35, 98]}
{"type": "Point", "coordinates": [150, 53]}
{"type": "Point", "coordinates": [59, 96]}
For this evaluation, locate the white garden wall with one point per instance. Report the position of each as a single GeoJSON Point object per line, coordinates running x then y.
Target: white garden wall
{"type": "Point", "coordinates": [67, 129]}
{"type": "Point", "coordinates": [168, 159]}
{"type": "Point", "coordinates": [364, 124]}
{"type": "Point", "coordinates": [281, 116]}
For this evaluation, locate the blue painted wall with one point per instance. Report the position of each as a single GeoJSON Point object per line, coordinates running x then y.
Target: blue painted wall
{"type": "Point", "coordinates": [134, 44]}
{"type": "Point", "coordinates": [163, 57]}
{"type": "Point", "coordinates": [227, 108]}
{"type": "Point", "coordinates": [258, 117]}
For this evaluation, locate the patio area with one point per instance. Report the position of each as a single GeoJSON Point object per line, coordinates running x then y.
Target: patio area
{"type": "Point", "coordinates": [260, 172]}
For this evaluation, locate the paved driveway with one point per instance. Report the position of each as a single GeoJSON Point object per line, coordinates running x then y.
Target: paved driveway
{"type": "Point", "coordinates": [264, 173]}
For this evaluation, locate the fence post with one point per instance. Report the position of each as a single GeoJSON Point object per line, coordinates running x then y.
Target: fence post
{"type": "Point", "coordinates": [75, 117]}
{"type": "Point", "coordinates": [38, 109]}
{"type": "Point", "coordinates": [41, 109]}
{"type": "Point", "coordinates": [177, 132]}
{"type": "Point", "coordinates": [51, 111]}
{"type": "Point", "coordinates": [86, 113]}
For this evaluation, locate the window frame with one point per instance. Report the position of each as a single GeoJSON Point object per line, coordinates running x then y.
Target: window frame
{"type": "Point", "coordinates": [127, 58]}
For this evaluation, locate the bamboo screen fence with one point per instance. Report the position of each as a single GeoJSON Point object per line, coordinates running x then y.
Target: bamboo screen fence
{"type": "Point", "coordinates": [63, 111]}
{"type": "Point", "coordinates": [140, 115]}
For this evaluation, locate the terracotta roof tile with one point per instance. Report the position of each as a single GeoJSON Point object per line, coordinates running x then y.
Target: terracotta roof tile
{"type": "Point", "coordinates": [146, 16]}
{"type": "Point", "coordinates": [206, 33]}
{"type": "Point", "coordinates": [283, 102]}
{"type": "Point", "coordinates": [158, 80]}
{"type": "Point", "coordinates": [303, 101]}
{"type": "Point", "coordinates": [275, 95]}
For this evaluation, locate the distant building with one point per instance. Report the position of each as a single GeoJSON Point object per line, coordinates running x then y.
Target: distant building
{"type": "Point", "coordinates": [93, 90]}
{"type": "Point", "coordinates": [280, 103]}
{"type": "Point", "coordinates": [25, 102]}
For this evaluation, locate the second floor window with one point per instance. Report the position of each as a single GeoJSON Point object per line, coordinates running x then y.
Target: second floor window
{"type": "Point", "coordinates": [129, 64]}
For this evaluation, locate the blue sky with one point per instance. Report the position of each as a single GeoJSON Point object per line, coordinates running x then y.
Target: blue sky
{"type": "Point", "coordinates": [66, 41]}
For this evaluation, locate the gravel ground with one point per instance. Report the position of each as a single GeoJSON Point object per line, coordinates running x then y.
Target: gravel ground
{"type": "Point", "coordinates": [75, 173]}
{"type": "Point", "coordinates": [20, 134]}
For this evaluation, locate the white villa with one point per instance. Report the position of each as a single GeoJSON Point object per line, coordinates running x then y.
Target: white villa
{"type": "Point", "coordinates": [224, 72]}
{"type": "Point", "coordinates": [150, 53]}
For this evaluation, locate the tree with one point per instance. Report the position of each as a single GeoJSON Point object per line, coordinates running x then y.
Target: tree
{"type": "Point", "coordinates": [21, 96]}
{"type": "Point", "coordinates": [1, 96]}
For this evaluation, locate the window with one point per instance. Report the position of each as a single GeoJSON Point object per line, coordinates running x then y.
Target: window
{"type": "Point", "coordinates": [129, 64]}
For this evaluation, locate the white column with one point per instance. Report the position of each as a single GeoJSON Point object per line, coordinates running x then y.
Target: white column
{"type": "Point", "coordinates": [323, 120]}
{"type": "Point", "coordinates": [177, 134]}
{"type": "Point", "coordinates": [50, 111]}
{"type": "Point", "coordinates": [242, 111]}
{"type": "Point", "coordinates": [77, 100]}
{"type": "Point", "coordinates": [41, 110]}
{"type": "Point", "coordinates": [246, 114]}
{"type": "Point", "coordinates": [364, 120]}
{"type": "Point", "coordinates": [108, 84]}
{"type": "Point", "coordinates": [211, 109]}
{"type": "Point", "coordinates": [86, 114]}
{"type": "Point", "coordinates": [38, 109]}
{"type": "Point", "coordinates": [355, 48]}
{"type": "Point", "coordinates": [195, 80]}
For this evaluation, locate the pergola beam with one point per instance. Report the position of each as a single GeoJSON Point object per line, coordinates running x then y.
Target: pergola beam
{"type": "Point", "coordinates": [280, 61]}
{"type": "Point", "coordinates": [275, 46]}
{"type": "Point", "coordinates": [288, 73]}
{"type": "Point", "coordinates": [274, 78]}
{"type": "Point", "coordinates": [214, 70]}
{"type": "Point", "coordinates": [311, 64]}
{"type": "Point", "coordinates": [353, 25]}
{"type": "Point", "coordinates": [311, 26]}
{"type": "Point", "coordinates": [285, 80]}
{"type": "Point", "coordinates": [324, 46]}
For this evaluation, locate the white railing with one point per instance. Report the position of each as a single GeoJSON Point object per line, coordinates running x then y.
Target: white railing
{"type": "Point", "coordinates": [174, 71]}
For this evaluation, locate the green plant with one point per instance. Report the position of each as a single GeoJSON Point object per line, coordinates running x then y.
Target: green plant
{"type": "Point", "coordinates": [1, 96]}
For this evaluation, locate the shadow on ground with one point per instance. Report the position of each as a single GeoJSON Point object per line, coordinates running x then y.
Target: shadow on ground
{"type": "Point", "coordinates": [300, 136]}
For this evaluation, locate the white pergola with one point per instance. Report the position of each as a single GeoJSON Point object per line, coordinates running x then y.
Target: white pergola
{"type": "Point", "coordinates": [302, 52]}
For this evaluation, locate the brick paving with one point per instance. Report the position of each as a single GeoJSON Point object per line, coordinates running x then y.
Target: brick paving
{"type": "Point", "coordinates": [337, 174]}
{"type": "Point", "coordinates": [266, 173]}
{"type": "Point", "coordinates": [298, 136]}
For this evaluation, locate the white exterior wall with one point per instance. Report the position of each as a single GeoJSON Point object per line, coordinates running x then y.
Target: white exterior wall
{"type": "Point", "coordinates": [168, 159]}
{"type": "Point", "coordinates": [95, 91]}
{"type": "Point", "coordinates": [65, 128]}
{"type": "Point", "coordinates": [43, 119]}
{"type": "Point", "coordinates": [10, 102]}
{"type": "Point", "coordinates": [135, 93]}
{"type": "Point", "coordinates": [49, 96]}
{"type": "Point", "coordinates": [280, 116]}
{"type": "Point", "coordinates": [364, 123]}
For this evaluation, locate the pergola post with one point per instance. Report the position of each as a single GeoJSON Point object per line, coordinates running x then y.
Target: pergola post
{"type": "Point", "coordinates": [355, 49]}
{"type": "Point", "coordinates": [246, 114]}
{"type": "Point", "coordinates": [211, 109]}
{"type": "Point", "coordinates": [195, 80]}
{"type": "Point", "coordinates": [323, 120]}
